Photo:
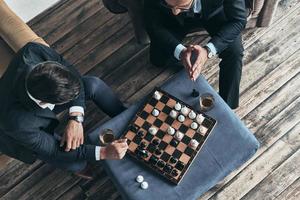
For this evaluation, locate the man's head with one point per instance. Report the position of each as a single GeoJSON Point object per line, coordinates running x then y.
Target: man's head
{"type": "Point", "coordinates": [178, 6]}
{"type": "Point", "coordinates": [50, 82]}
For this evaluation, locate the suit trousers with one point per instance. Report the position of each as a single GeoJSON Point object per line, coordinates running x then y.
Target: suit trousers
{"type": "Point", "coordinates": [102, 95]}
{"type": "Point", "coordinates": [231, 57]}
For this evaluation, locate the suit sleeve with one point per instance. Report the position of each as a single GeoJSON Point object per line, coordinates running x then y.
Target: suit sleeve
{"type": "Point", "coordinates": [235, 12]}
{"type": "Point", "coordinates": [156, 29]}
{"type": "Point", "coordinates": [47, 146]}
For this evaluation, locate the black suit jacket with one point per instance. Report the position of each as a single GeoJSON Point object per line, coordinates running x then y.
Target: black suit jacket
{"type": "Point", "coordinates": [161, 24]}
{"type": "Point", "coordinates": [26, 129]}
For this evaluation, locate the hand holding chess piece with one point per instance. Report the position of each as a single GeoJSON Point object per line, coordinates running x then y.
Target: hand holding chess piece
{"type": "Point", "coordinates": [115, 150]}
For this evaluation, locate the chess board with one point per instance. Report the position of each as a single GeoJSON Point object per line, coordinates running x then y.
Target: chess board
{"type": "Point", "coordinates": [162, 152]}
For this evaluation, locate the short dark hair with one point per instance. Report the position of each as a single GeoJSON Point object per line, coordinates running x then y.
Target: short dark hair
{"type": "Point", "coordinates": [51, 82]}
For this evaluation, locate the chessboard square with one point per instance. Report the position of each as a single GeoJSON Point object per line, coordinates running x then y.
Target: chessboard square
{"type": "Point", "coordinates": [170, 150]}
{"type": "Point", "coordinates": [167, 138]}
{"type": "Point", "coordinates": [164, 99]}
{"type": "Point", "coordinates": [186, 140]}
{"type": "Point", "coordinates": [160, 134]}
{"type": "Point", "coordinates": [149, 137]}
{"type": "Point", "coordinates": [188, 122]}
{"type": "Point", "coordinates": [197, 137]}
{"type": "Point", "coordinates": [146, 125]}
{"type": "Point", "coordinates": [162, 116]}
{"type": "Point", "coordinates": [189, 151]}
{"type": "Point", "coordinates": [130, 135]}
{"type": "Point", "coordinates": [144, 114]}
{"type": "Point", "coordinates": [191, 133]}
{"type": "Point", "coordinates": [177, 153]}
{"type": "Point", "coordinates": [207, 123]}
{"type": "Point", "coordinates": [137, 139]}
{"type": "Point", "coordinates": [148, 108]}
{"type": "Point", "coordinates": [162, 145]}
{"type": "Point", "coordinates": [183, 128]}
{"type": "Point", "coordinates": [169, 120]}
{"type": "Point", "coordinates": [158, 123]}
{"type": "Point", "coordinates": [151, 148]}
{"type": "Point", "coordinates": [153, 102]}
{"type": "Point", "coordinates": [160, 106]}
{"type": "Point", "coordinates": [164, 127]}
{"type": "Point", "coordinates": [184, 158]}
{"type": "Point", "coordinates": [166, 109]}
{"type": "Point", "coordinates": [165, 156]}
{"type": "Point", "coordinates": [139, 122]}
{"type": "Point", "coordinates": [132, 146]}
{"type": "Point", "coordinates": [151, 119]}
{"type": "Point", "coordinates": [181, 146]}
{"type": "Point", "coordinates": [171, 103]}
{"type": "Point", "coordinates": [176, 124]}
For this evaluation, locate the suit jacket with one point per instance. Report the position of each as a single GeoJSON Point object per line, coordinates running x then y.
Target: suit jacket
{"type": "Point", "coordinates": [26, 130]}
{"type": "Point", "coordinates": [162, 25]}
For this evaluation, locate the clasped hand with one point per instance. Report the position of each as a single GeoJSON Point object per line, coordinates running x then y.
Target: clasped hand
{"type": "Point", "coordinates": [194, 69]}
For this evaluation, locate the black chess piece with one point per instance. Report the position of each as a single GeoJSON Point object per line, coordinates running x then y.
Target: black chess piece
{"type": "Point", "coordinates": [153, 160]}
{"type": "Point", "coordinates": [195, 93]}
{"type": "Point", "coordinates": [174, 143]}
{"type": "Point", "coordinates": [158, 152]}
{"type": "Point", "coordinates": [173, 160]}
{"type": "Point", "coordinates": [143, 144]}
{"type": "Point", "coordinates": [140, 133]}
{"type": "Point", "coordinates": [174, 172]}
{"type": "Point", "coordinates": [161, 163]}
{"type": "Point", "coordinates": [156, 141]}
{"type": "Point", "coordinates": [167, 168]}
{"type": "Point", "coordinates": [180, 165]}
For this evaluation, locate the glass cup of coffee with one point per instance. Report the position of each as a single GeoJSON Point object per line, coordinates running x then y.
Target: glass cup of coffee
{"type": "Point", "coordinates": [206, 101]}
{"type": "Point", "coordinates": [106, 137]}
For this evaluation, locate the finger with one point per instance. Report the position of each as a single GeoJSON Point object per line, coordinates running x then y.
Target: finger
{"type": "Point", "coordinates": [74, 143]}
{"type": "Point", "coordinates": [78, 143]}
{"type": "Point", "coordinates": [81, 141]}
{"type": "Point", "coordinates": [121, 140]}
{"type": "Point", "coordinates": [69, 145]}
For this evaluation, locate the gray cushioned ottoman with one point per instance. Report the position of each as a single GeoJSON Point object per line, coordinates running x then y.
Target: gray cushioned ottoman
{"type": "Point", "coordinates": [229, 146]}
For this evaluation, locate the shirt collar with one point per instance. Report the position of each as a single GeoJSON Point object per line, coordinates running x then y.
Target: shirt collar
{"type": "Point", "coordinates": [38, 102]}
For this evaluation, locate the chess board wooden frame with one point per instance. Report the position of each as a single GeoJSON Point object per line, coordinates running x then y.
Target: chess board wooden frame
{"type": "Point", "coordinates": [159, 171]}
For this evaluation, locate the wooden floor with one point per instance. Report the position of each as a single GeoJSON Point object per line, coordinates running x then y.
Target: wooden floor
{"type": "Point", "coordinates": [102, 44]}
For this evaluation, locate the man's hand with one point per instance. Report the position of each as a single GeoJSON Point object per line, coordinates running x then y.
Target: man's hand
{"type": "Point", "coordinates": [185, 57]}
{"type": "Point", "coordinates": [201, 58]}
{"type": "Point", "coordinates": [114, 151]}
{"type": "Point", "coordinates": [73, 136]}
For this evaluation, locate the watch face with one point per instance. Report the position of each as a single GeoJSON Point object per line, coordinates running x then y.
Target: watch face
{"type": "Point", "coordinates": [210, 55]}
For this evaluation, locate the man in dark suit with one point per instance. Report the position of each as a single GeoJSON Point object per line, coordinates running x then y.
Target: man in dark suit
{"type": "Point", "coordinates": [168, 21]}
{"type": "Point", "coordinates": [38, 85]}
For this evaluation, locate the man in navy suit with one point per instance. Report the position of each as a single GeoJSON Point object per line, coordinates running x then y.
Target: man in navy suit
{"type": "Point", "coordinates": [169, 21]}
{"type": "Point", "coordinates": [38, 85]}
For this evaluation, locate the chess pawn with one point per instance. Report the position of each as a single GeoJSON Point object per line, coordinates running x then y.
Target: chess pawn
{"type": "Point", "coordinates": [194, 143]}
{"type": "Point", "coordinates": [181, 118]}
{"type": "Point", "coordinates": [171, 130]}
{"type": "Point", "coordinates": [192, 115]}
{"type": "Point", "coordinates": [173, 114]}
{"type": "Point", "coordinates": [200, 118]}
{"type": "Point", "coordinates": [157, 95]}
{"type": "Point", "coordinates": [155, 112]}
{"type": "Point", "coordinates": [185, 110]}
{"type": "Point", "coordinates": [194, 125]}
{"type": "Point", "coordinates": [152, 130]}
{"type": "Point", "coordinates": [177, 106]}
{"type": "Point", "coordinates": [179, 135]}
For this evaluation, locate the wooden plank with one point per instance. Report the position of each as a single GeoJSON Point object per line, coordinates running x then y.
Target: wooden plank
{"type": "Point", "coordinates": [292, 192]}
{"type": "Point", "coordinates": [29, 182]}
{"type": "Point", "coordinates": [262, 166]}
{"type": "Point", "coordinates": [105, 49]}
{"type": "Point", "coordinates": [19, 171]}
{"type": "Point", "coordinates": [278, 126]}
{"type": "Point", "coordinates": [279, 179]}
{"type": "Point", "coordinates": [74, 193]}
{"type": "Point", "coordinates": [107, 31]}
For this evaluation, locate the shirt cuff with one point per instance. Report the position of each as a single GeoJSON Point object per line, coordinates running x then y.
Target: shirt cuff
{"type": "Point", "coordinates": [212, 47]}
{"type": "Point", "coordinates": [97, 152]}
{"type": "Point", "coordinates": [178, 50]}
{"type": "Point", "coordinates": [76, 109]}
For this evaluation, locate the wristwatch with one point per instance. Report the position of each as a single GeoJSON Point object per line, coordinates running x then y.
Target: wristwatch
{"type": "Point", "coordinates": [78, 118]}
{"type": "Point", "coordinates": [209, 52]}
